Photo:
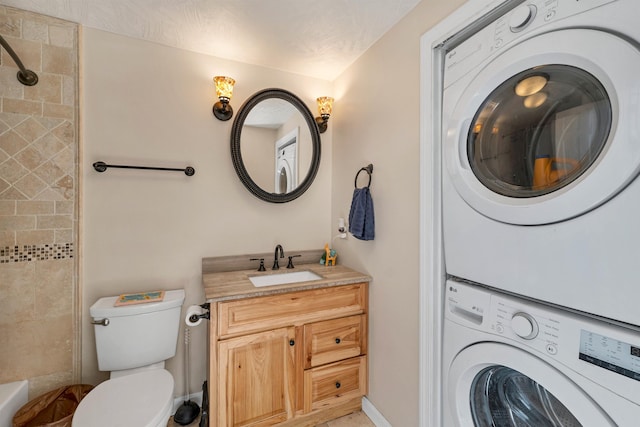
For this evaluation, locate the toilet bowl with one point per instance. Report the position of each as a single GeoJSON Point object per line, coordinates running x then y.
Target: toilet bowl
{"type": "Point", "coordinates": [132, 342]}
{"type": "Point", "coordinates": [144, 399]}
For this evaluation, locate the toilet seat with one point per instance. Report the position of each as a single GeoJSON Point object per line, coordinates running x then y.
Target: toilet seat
{"type": "Point", "coordinates": [144, 399]}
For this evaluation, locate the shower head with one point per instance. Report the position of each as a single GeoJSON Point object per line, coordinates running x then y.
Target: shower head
{"type": "Point", "coordinates": [26, 77]}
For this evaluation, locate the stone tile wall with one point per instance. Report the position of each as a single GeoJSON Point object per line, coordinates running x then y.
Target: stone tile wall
{"type": "Point", "coordinates": [38, 203]}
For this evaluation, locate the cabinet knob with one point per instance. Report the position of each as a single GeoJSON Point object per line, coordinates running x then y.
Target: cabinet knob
{"type": "Point", "coordinates": [337, 340]}
{"type": "Point", "coordinates": [292, 343]}
{"type": "Point", "coordinates": [338, 385]}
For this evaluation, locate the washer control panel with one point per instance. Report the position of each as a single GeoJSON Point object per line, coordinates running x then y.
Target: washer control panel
{"type": "Point", "coordinates": [538, 329]}
{"type": "Point", "coordinates": [611, 354]}
{"type": "Point", "coordinates": [524, 326]}
{"type": "Point", "coordinates": [606, 353]}
{"type": "Point", "coordinates": [476, 307]}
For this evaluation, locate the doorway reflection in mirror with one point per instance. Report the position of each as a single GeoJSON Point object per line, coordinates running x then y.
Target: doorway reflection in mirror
{"type": "Point", "coordinates": [276, 145]}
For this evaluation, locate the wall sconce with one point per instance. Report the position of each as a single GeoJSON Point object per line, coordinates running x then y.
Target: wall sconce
{"type": "Point", "coordinates": [325, 106]}
{"type": "Point", "coordinates": [224, 89]}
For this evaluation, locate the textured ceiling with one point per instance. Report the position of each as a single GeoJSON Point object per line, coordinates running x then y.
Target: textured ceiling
{"type": "Point", "coordinates": [317, 38]}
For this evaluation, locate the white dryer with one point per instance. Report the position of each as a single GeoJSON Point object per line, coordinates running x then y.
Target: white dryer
{"type": "Point", "coordinates": [286, 172]}
{"type": "Point", "coordinates": [508, 362]}
{"type": "Point", "coordinates": [541, 146]}
{"type": "Point", "coordinates": [285, 166]}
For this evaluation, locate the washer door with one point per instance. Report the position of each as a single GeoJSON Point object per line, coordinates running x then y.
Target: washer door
{"type": "Point", "coordinates": [492, 384]}
{"type": "Point", "coordinates": [548, 130]}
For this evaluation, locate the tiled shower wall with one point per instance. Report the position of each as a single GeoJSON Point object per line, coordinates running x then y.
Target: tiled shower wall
{"type": "Point", "coordinates": [39, 203]}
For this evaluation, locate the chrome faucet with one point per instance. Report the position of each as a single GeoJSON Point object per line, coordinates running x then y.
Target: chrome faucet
{"type": "Point", "coordinates": [275, 257]}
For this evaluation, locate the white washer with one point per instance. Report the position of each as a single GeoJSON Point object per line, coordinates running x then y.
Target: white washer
{"type": "Point", "coordinates": [541, 125]}
{"type": "Point", "coordinates": [511, 362]}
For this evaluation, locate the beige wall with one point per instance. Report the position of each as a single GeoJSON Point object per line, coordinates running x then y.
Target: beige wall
{"type": "Point", "coordinates": [151, 105]}
{"type": "Point", "coordinates": [376, 120]}
{"type": "Point", "coordinates": [38, 194]}
{"type": "Point", "coordinates": [147, 104]}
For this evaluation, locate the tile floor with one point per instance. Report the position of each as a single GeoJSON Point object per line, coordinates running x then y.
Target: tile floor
{"type": "Point", "coordinates": [357, 419]}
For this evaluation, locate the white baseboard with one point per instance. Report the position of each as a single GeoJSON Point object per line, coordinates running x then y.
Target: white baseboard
{"type": "Point", "coordinates": [374, 415]}
{"type": "Point", "coordinates": [194, 397]}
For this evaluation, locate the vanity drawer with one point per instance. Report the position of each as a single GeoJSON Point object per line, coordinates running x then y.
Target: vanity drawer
{"type": "Point", "coordinates": [326, 385]}
{"type": "Point", "coordinates": [290, 309]}
{"type": "Point", "coordinates": [333, 340]}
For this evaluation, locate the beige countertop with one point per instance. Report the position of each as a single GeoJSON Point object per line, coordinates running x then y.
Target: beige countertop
{"type": "Point", "coordinates": [229, 285]}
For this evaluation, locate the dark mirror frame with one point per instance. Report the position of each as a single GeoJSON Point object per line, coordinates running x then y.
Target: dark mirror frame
{"type": "Point", "coordinates": [236, 136]}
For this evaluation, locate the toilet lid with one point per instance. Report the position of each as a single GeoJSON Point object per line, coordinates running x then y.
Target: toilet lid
{"type": "Point", "coordinates": [143, 399]}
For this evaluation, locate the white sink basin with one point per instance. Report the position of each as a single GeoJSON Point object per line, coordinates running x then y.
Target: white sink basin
{"type": "Point", "coordinates": [284, 278]}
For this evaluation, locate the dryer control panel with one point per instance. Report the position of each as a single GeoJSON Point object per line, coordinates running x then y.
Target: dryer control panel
{"type": "Point", "coordinates": [601, 351]}
{"type": "Point", "coordinates": [507, 29]}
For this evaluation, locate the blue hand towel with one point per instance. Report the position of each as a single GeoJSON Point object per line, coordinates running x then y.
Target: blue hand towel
{"type": "Point", "coordinates": [361, 219]}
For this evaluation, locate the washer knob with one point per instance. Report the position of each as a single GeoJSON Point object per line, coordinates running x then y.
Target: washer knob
{"type": "Point", "coordinates": [524, 326]}
{"type": "Point", "coordinates": [521, 17]}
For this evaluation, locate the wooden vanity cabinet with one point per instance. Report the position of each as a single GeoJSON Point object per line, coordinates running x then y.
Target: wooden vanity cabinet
{"type": "Point", "coordinates": [288, 359]}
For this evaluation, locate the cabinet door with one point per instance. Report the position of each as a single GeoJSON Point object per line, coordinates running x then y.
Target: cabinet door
{"type": "Point", "coordinates": [256, 385]}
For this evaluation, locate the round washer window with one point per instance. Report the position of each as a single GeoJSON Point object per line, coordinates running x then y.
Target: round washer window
{"type": "Point", "coordinates": [539, 131]}
{"type": "Point", "coordinates": [504, 397]}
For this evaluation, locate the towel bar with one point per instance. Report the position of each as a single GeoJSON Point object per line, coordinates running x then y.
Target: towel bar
{"type": "Point", "coordinates": [102, 166]}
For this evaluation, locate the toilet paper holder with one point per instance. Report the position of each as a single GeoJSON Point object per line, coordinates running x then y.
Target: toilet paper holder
{"type": "Point", "coordinates": [205, 315]}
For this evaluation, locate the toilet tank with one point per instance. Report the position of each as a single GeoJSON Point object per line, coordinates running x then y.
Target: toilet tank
{"type": "Point", "coordinates": [136, 335]}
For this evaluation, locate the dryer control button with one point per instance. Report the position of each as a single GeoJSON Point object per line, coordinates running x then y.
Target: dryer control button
{"type": "Point", "coordinates": [552, 349]}
{"type": "Point", "coordinates": [524, 326]}
{"type": "Point", "coordinates": [549, 15]}
{"type": "Point", "coordinates": [521, 17]}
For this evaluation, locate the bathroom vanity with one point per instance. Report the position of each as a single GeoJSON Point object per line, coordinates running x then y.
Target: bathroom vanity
{"type": "Point", "coordinates": [288, 355]}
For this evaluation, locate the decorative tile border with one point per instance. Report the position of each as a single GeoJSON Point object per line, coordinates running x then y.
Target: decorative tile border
{"type": "Point", "coordinates": [28, 253]}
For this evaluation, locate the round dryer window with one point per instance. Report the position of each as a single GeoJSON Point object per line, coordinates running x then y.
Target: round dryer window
{"type": "Point", "coordinates": [547, 129]}
{"type": "Point", "coordinates": [539, 131]}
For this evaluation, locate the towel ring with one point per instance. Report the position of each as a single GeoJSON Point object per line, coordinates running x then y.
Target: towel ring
{"type": "Point", "coordinates": [369, 170]}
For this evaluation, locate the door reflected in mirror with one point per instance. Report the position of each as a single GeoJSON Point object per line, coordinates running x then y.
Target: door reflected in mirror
{"type": "Point", "coordinates": [275, 146]}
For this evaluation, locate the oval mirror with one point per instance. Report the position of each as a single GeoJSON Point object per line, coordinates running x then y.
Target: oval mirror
{"type": "Point", "coordinates": [275, 146]}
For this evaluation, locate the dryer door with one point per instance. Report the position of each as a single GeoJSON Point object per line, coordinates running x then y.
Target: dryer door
{"type": "Point", "coordinates": [284, 177]}
{"type": "Point", "coordinates": [492, 384]}
{"type": "Point", "coordinates": [547, 130]}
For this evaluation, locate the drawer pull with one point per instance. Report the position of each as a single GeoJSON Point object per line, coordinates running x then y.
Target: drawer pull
{"type": "Point", "coordinates": [337, 340]}
{"type": "Point", "coordinates": [292, 343]}
{"type": "Point", "coordinates": [338, 385]}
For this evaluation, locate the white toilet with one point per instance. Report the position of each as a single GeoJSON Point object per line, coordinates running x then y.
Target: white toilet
{"type": "Point", "coordinates": [133, 342]}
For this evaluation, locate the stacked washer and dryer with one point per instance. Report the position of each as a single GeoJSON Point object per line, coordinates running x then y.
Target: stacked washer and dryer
{"type": "Point", "coordinates": [541, 196]}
